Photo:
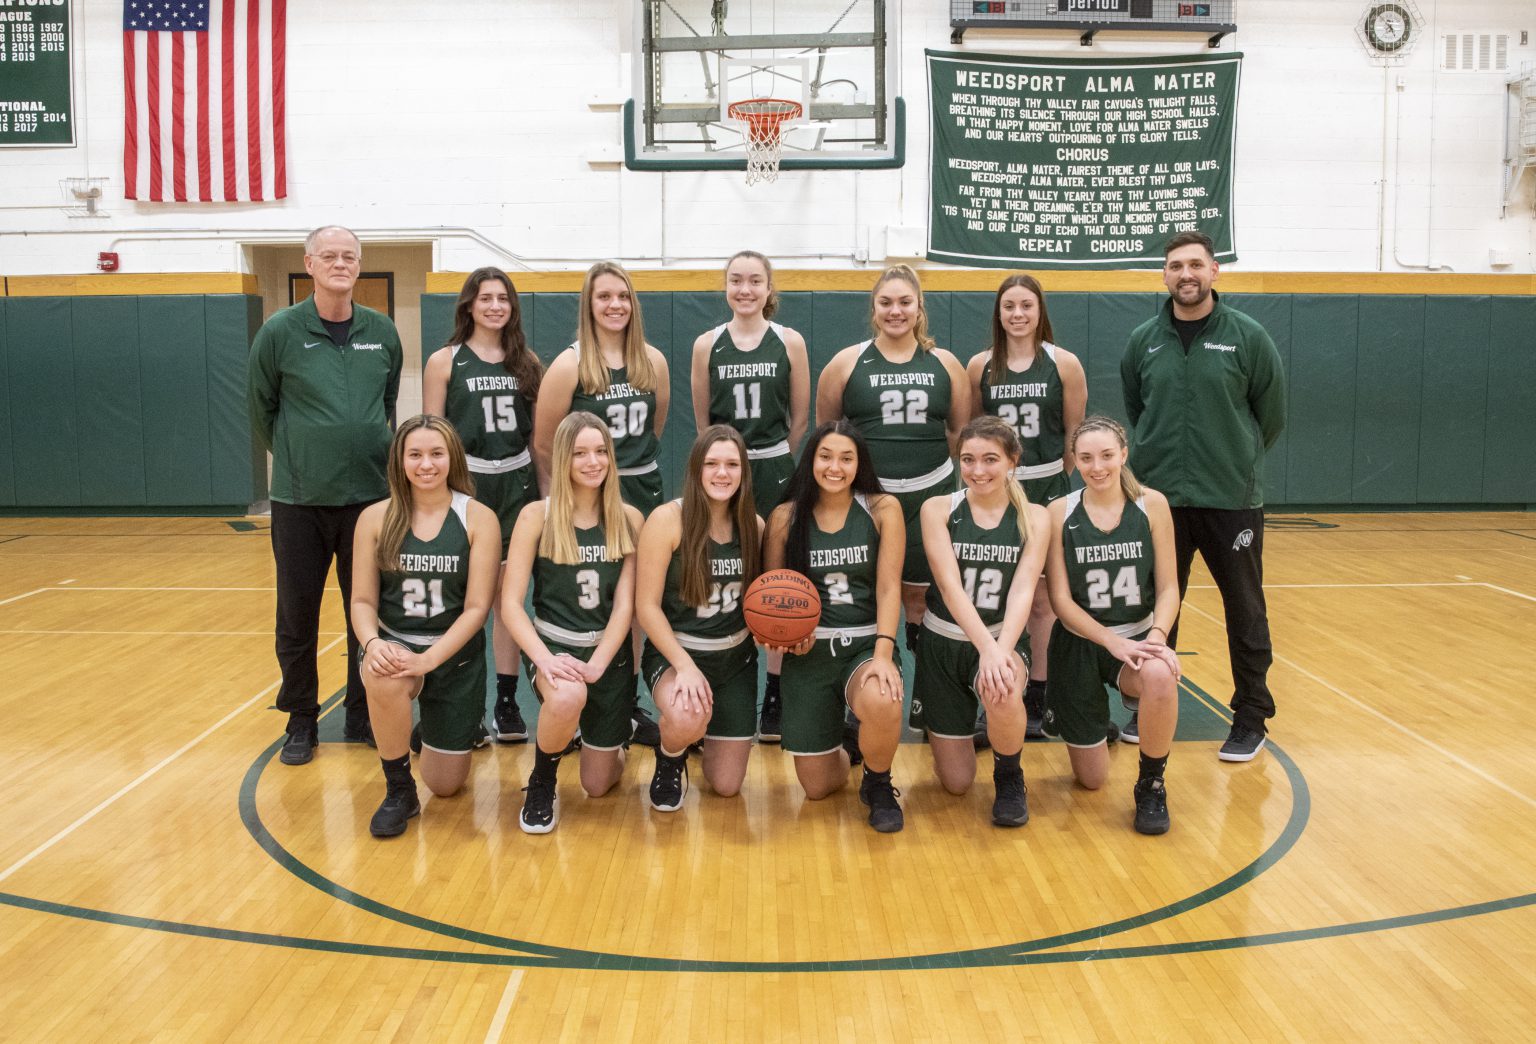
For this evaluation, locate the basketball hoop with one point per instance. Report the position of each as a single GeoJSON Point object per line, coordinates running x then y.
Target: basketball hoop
{"type": "Point", "coordinates": [765, 119]}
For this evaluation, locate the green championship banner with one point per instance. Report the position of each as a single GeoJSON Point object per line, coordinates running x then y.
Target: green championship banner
{"type": "Point", "coordinates": [1078, 163]}
{"type": "Point", "coordinates": [36, 100]}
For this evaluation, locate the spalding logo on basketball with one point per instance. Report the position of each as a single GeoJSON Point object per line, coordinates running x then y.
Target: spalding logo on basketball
{"type": "Point", "coordinates": [781, 607]}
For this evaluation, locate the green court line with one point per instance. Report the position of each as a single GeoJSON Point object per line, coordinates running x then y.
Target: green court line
{"type": "Point", "coordinates": [1295, 825]}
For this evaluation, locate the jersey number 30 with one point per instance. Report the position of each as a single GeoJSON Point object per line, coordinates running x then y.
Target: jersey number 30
{"type": "Point", "coordinates": [1124, 588]}
{"type": "Point", "coordinates": [627, 420]}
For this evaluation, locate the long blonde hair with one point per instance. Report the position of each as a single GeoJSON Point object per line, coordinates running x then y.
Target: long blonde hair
{"type": "Point", "coordinates": [999, 431]}
{"type": "Point", "coordinates": [591, 371]}
{"type": "Point", "coordinates": [402, 502]}
{"type": "Point", "coordinates": [693, 545]}
{"type": "Point", "coordinates": [1128, 484]}
{"type": "Point", "coordinates": [908, 276]}
{"type": "Point", "coordinates": [558, 541]}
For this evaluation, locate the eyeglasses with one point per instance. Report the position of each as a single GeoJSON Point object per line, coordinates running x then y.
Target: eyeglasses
{"type": "Point", "coordinates": [330, 257]}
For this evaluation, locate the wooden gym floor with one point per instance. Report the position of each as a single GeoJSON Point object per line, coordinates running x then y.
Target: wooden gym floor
{"type": "Point", "coordinates": [162, 876]}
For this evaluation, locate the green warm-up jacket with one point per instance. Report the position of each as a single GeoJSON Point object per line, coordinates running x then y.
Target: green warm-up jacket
{"type": "Point", "coordinates": [1201, 419]}
{"type": "Point", "coordinates": [323, 408]}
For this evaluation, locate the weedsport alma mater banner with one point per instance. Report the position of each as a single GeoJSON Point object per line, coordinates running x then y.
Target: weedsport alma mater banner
{"type": "Point", "coordinates": [1078, 163]}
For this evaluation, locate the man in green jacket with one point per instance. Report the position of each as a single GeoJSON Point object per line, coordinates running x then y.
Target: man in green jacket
{"type": "Point", "coordinates": [324, 375]}
{"type": "Point", "coordinates": [1205, 395]}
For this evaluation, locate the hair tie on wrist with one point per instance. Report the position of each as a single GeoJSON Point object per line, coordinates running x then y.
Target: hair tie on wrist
{"type": "Point", "coordinates": [886, 637]}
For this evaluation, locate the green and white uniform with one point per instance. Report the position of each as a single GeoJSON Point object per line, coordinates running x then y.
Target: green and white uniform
{"type": "Point", "coordinates": [944, 690]}
{"type": "Point", "coordinates": [749, 390]}
{"type": "Point", "coordinates": [494, 421]}
{"type": "Point", "coordinates": [716, 638]}
{"type": "Point", "coordinates": [1111, 577]}
{"type": "Point", "coordinates": [815, 686]}
{"type": "Point", "coordinates": [900, 409]}
{"type": "Point", "coordinates": [1031, 402]}
{"type": "Point", "coordinates": [417, 605]}
{"type": "Point", "coordinates": [631, 418]}
{"type": "Point", "coordinates": [571, 607]}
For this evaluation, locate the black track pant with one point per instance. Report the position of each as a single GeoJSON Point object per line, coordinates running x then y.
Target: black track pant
{"type": "Point", "coordinates": [1232, 545]}
{"type": "Point", "coordinates": [304, 541]}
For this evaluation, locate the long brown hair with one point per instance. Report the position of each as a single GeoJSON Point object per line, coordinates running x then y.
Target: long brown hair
{"type": "Point", "coordinates": [771, 305]}
{"type": "Point", "coordinates": [908, 276]}
{"type": "Point", "coordinates": [1128, 484]}
{"type": "Point", "coordinates": [591, 371]}
{"type": "Point", "coordinates": [694, 544]}
{"type": "Point", "coordinates": [517, 357]}
{"type": "Point", "coordinates": [402, 502]}
{"type": "Point", "coordinates": [1000, 432]}
{"type": "Point", "coordinates": [804, 493]}
{"type": "Point", "coordinates": [558, 541]}
{"type": "Point", "coordinates": [997, 367]}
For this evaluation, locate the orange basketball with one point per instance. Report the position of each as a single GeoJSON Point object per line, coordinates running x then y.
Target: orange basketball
{"type": "Point", "coordinates": [781, 607]}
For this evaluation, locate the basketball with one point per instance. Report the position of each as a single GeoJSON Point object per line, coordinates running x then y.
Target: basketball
{"type": "Point", "coordinates": [781, 607]}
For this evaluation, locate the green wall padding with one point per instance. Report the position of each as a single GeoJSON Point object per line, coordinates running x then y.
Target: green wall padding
{"type": "Point", "coordinates": [126, 402]}
{"type": "Point", "coordinates": [1509, 458]}
{"type": "Point", "coordinates": [1274, 312]}
{"type": "Point", "coordinates": [40, 383]}
{"type": "Point", "coordinates": [1321, 415]}
{"type": "Point", "coordinates": [1388, 383]}
{"type": "Point", "coordinates": [1452, 421]}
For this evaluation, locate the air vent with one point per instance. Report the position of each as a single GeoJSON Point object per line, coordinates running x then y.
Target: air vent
{"type": "Point", "coordinates": [1474, 52]}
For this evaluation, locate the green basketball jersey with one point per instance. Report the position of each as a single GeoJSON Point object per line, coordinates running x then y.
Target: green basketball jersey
{"type": "Point", "coordinates": [426, 596]}
{"type": "Point", "coordinates": [900, 409]}
{"type": "Point", "coordinates": [1031, 402]}
{"type": "Point", "coordinates": [630, 416]}
{"type": "Point", "coordinates": [721, 616]}
{"type": "Point", "coordinates": [749, 390]}
{"type": "Point", "coordinates": [486, 407]}
{"type": "Point", "coordinates": [1110, 574]}
{"type": "Point", "coordinates": [987, 560]}
{"type": "Point", "coordinates": [842, 566]}
{"type": "Point", "coordinates": [577, 597]}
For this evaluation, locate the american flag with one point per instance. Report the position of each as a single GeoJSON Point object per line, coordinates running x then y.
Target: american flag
{"type": "Point", "coordinates": [203, 100]}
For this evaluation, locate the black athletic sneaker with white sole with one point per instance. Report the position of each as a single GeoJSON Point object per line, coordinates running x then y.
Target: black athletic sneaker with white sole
{"type": "Point", "coordinates": [541, 806]}
{"type": "Point", "coordinates": [979, 738]}
{"type": "Point", "coordinates": [510, 727]}
{"type": "Point", "coordinates": [669, 783]}
{"type": "Point", "coordinates": [358, 729]}
{"type": "Point", "coordinates": [399, 806]}
{"type": "Point", "coordinates": [1034, 712]}
{"type": "Point", "coordinates": [1243, 744]}
{"type": "Point", "coordinates": [646, 732]}
{"type": "Point", "coordinates": [768, 727]}
{"type": "Point", "coordinates": [1151, 806]}
{"type": "Point", "coordinates": [876, 791]}
{"type": "Point", "coordinates": [1130, 732]}
{"type": "Point", "coordinates": [303, 737]}
{"type": "Point", "coordinates": [1010, 808]}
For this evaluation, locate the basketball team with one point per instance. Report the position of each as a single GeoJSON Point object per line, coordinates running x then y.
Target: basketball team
{"type": "Point", "coordinates": [926, 490]}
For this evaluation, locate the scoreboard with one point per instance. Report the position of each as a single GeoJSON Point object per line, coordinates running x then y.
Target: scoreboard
{"type": "Point", "coordinates": [1212, 17]}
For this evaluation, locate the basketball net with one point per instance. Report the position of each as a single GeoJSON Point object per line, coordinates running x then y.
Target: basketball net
{"type": "Point", "coordinates": [765, 119]}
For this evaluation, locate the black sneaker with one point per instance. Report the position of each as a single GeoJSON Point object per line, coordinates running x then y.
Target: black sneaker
{"type": "Point", "coordinates": [646, 732]}
{"type": "Point", "coordinates": [851, 741]}
{"type": "Point", "coordinates": [1243, 744]}
{"type": "Point", "coordinates": [1151, 806]}
{"type": "Point", "coordinates": [482, 737]}
{"type": "Point", "coordinates": [1112, 734]}
{"type": "Point", "coordinates": [980, 738]}
{"type": "Point", "coordinates": [669, 782]}
{"type": "Point", "coordinates": [1010, 808]}
{"type": "Point", "coordinates": [1130, 732]}
{"type": "Point", "coordinates": [510, 727]}
{"type": "Point", "coordinates": [303, 737]}
{"type": "Point", "coordinates": [416, 738]}
{"type": "Point", "coordinates": [541, 806]}
{"type": "Point", "coordinates": [398, 806]}
{"type": "Point", "coordinates": [358, 730]}
{"type": "Point", "coordinates": [876, 791]}
{"type": "Point", "coordinates": [768, 728]}
{"type": "Point", "coordinates": [1034, 714]}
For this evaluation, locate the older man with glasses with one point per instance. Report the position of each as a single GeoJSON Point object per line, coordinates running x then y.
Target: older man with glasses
{"type": "Point", "coordinates": [324, 375]}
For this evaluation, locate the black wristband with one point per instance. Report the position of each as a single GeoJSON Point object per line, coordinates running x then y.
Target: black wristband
{"type": "Point", "coordinates": [886, 637]}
